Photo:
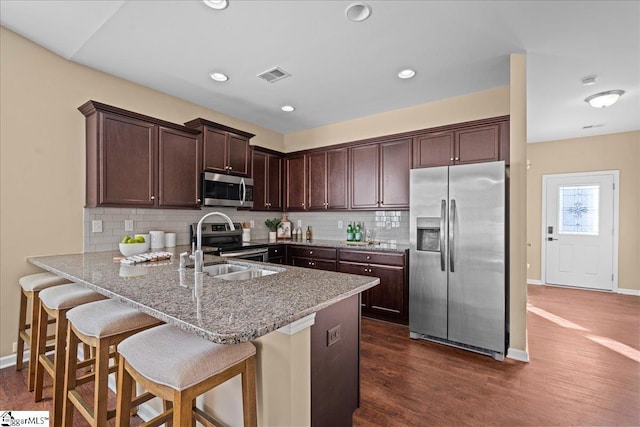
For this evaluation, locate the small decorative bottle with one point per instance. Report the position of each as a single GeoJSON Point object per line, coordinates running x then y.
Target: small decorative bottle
{"type": "Point", "coordinates": [358, 233]}
{"type": "Point", "coordinates": [309, 234]}
{"type": "Point", "coordinates": [349, 233]}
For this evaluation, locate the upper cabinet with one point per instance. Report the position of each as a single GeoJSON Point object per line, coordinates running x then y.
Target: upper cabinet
{"type": "Point", "coordinates": [224, 149]}
{"type": "Point", "coordinates": [267, 172]}
{"type": "Point", "coordinates": [327, 171]}
{"type": "Point", "coordinates": [380, 175]}
{"type": "Point", "coordinates": [136, 160]}
{"type": "Point", "coordinates": [482, 142]}
{"type": "Point", "coordinates": [296, 183]}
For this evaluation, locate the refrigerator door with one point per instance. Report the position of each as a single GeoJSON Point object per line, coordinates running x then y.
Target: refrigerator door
{"type": "Point", "coordinates": [428, 252]}
{"type": "Point", "coordinates": [477, 255]}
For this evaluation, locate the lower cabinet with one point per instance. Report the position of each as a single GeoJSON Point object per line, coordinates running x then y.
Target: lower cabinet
{"type": "Point", "coordinates": [389, 299]}
{"type": "Point", "coordinates": [320, 258]}
{"type": "Point", "coordinates": [277, 254]}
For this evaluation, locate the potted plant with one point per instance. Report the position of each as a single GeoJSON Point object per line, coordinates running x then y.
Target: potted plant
{"type": "Point", "coordinates": [272, 225]}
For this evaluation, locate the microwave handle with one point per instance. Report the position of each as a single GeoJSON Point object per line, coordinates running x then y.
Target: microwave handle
{"type": "Point", "coordinates": [244, 191]}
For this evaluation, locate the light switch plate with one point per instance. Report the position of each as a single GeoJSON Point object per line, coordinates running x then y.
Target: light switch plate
{"type": "Point", "coordinates": [252, 224]}
{"type": "Point", "coordinates": [339, 224]}
{"type": "Point", "coordinates": [334, 334]}
{"type": "Point", "coordinates": [128, 225]}
{"type": "Point", "coordinates": [96, 226]}
{"type": "Point", "coordinates": [299, 223]}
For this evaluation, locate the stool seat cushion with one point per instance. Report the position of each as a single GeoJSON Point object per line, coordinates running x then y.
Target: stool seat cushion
{"type": "Point", "coordinates": [68, 296]}
{"type": "Point", "coordinates": [106, 318]}
{"type": "Point", "coordinates": [178, 359]}
{"type": "Point", "coordinates": [40, 281]}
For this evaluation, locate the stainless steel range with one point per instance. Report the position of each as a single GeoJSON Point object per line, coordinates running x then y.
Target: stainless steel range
{"type": "Point", "coordinates": [218, 239]}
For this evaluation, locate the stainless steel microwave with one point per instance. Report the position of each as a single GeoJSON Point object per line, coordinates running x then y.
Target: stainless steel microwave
{"type": "Point", "coordinates": [226, 190]}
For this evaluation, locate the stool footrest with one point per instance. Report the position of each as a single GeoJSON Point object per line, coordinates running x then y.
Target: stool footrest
{"type": "Point", "coordinates": [205, 419]}
{"type": "Point", "coordinates": [163, 418]}
{"type": "Point", "coordinates": [144, 397]}
{"type": "Point", "coordinates": [81, 405]}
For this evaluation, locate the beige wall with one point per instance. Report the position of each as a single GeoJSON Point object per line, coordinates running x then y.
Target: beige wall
{"type": "Point", "coordinates": [480, 105]}
{"type": "Point", "coordinates": [42, 154]}
{"type": "Point", "coordinates": [619, 151]}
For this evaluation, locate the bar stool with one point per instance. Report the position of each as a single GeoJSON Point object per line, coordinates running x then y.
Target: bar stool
{"type": "Point", "coordinates": [177, 366]}
{"type": "Point", "coordinates": [101, 325]}
{"type": "Point", "coordinates": [31, 286]}
{"type": "Point", "coordinates": [56, 302]}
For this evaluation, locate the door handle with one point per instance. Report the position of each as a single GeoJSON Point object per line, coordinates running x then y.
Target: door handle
{"type": "Point", "coordinates": [452, 236]}
{"type": "Point", "coordinates": [551, 239]}
{"type": "Point", "coordinates": [244, 191]}
{"type": "Point", "coordinates": [443, 214]}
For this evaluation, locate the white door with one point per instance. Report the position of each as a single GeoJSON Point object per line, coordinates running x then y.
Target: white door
{"type": "Point", "coordinates": [579, 230]}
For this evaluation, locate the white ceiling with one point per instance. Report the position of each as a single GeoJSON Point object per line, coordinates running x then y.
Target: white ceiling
{"type": "Point", "coordinates": [343, 70]}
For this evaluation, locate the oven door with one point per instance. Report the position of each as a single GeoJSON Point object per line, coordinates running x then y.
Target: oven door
{"type": "Point", "coordinates": [259, 254]}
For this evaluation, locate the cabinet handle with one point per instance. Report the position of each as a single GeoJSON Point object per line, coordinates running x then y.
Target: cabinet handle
{"type": "Point", "coordinates": [303, 205]}
{"type": "Point", "coordinates": [199, 200]}
{"type": "Point", "coordinates": [230, 168]}
{"type": "Point", "coordinates": [275, 251]}
{"type": "Point", "coordinates": [451, 159]}
{"type": "Point", "coordinates": [153, 197]}
{"type": "Point", "coordinates": [457, 158]}
{"type": "Point", "coordinates": [368, 257]}
{"type": "Point", "coordinates": [310, 252]}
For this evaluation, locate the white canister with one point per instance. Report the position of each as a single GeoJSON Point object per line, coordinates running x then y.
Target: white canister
{"type": "Point", "coordinates": [246, 234]}
{"type": "Point", "coordinates": [169, 240]}
{"type": "Point", "coordinates": [157, 239]}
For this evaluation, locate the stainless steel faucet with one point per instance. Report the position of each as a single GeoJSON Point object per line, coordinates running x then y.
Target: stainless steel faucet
{"type": "Point", "coordinates": [198, 252]}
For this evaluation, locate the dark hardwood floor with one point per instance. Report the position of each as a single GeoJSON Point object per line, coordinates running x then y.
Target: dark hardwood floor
{"type": "Point", "coordinates": [584, 348]}
{"type": "Point", "coordinates": [578, 372]}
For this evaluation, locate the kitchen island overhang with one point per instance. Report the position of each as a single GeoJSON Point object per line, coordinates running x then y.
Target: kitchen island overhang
{"type": "Point", "coordinates": [229, 312]}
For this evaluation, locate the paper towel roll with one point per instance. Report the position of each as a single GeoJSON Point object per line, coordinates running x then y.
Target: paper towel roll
{"type": "Point", "coordinates": [157, 239]}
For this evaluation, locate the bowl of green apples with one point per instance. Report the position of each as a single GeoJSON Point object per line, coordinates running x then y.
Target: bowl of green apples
{"type": "Point", "coordinates": [133, 245]}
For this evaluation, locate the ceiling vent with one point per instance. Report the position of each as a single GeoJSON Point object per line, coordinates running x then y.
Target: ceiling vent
{"type": "Point", "coordinates": [273, 75]}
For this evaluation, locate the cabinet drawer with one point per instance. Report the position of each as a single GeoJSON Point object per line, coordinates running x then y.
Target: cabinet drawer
{"type": "Point", "coordinates": [313, 252]}
{"type": "Point", "coordinates": [276, 251]}
{"type": "Point", "coordinates": [370, 257]}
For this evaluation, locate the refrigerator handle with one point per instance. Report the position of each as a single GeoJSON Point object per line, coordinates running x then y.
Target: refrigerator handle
{"type": "Point", "coordinates": [452, 237]}
{"type": "Point", "coordinates": [443, 214]}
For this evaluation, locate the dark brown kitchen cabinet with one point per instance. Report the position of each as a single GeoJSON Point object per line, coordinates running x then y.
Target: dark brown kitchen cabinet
{"type": "Point", "coordinates": [277, 254]}
{"type": "Point", "coordinates": [389, 299]}
{"type": "Point", "coordinates": [296, 183]}
{"type": "Point", "coordinates": [320, 258]}
{"type": "Point", "coordinates": [137, 160]}
{"type": "Point", "coordinates": [471, 144]}
{"type": "Point", "coordinates": [267, 171]}
{"type": "Point", "coordinates": [327, 171]}
{"type": "Point", "coordinates": [380, 175]}
{"type": "Point", "coordinates": [224, 149]}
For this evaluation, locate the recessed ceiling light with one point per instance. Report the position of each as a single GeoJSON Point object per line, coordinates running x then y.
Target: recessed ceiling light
{"type": "Point", "coordinates": [599, 125]}
{"type": "Point", "coordinates": [216, 4]}
{"type": "Point", "coordinates": [287, 108]}
{"type": "Point", "coordinates": [358, 12]}
{"type": "Point", "coordinates": [604, 99]}
{"type": "Point", "coordinates": [219, 77]}
{"type": "Point", "coordinates": [406, 74]}
{"type": "Point", "coordinates": [589, 80]}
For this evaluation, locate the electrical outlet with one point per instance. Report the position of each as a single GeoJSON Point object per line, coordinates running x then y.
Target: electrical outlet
{"type": "Point", "coordinates": [14, 347]}
{"type": "Point", "coordinates": [128, 225]}
{"type": "Point", "coordinates": [299, 223]}
{"type": "Point", "coordinates": [96, 226]}
{"type": "Point", "coordinates": [339, 224]}
{"type": "Point", "coordinates": [252, 224]}
{"type": "Point", "coordinates": [334, 334]}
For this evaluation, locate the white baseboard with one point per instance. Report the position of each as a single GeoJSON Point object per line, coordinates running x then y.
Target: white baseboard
{"type": "Point", "coordinates": [534, 282]}
{"type": "Point", "coordinates": [634, 292]}
{"type": "Point", "coordinates": [10, 359]}
{"type": "Point", "coordinates": [517, 354]}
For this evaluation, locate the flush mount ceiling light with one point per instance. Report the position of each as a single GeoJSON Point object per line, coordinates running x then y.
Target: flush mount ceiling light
{"type": "Point", "coordinates": [287, 108]}
{"type": "Point", "coordinates": [219, 77]}
{"type": "Point", "coordinates": [406, 74]}
{"type": "Point", "coordinates": [604, 99]}
{"type": "Point", "coordinates": [216, 4]}
{"type": "Point", "coordinates": [358, 12]}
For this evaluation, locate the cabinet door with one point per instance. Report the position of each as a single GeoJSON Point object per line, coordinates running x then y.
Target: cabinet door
{"type": "Point", "coordinates": [323, 264]}
{"type": "Point", "coordinates": [387, 298]}
{"type": "Point", "coordinates": [433, 149]}
{"type": "Point", "coordinates": [317, 180]}
{"type": "Point", "coordinates": [478, 144]}
{"type": "Point", "coordinates": [337, 176]}
{"type": "Point", "coordinates": [274, 182]}
{"type": "Point", "coordinates": [127, 161]}
{"type": "Point", "coordinates": [238, 155]}
{"type": "Point", "coordinates": [395, 164]}
{"type": "Point", "coordinates": [259, 166]}
{"type": "Point", "coordinates": [296, 183]}
{"type": "Point", "coordinates": [364, 176]}
{"type": "Point", "coordinates": [214, 150]}
{"type": "Point", "coordinates": [361, 269]}
{"type": "Point", "coordinates": [178, 169]}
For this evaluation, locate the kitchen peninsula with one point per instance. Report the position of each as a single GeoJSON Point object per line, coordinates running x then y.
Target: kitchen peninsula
{"type": "Point", "coordinates": [276, 312]}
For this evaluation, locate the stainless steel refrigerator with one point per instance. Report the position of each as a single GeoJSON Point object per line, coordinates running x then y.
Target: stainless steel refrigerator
{"type": "Point", "coordinates": [457, 286]}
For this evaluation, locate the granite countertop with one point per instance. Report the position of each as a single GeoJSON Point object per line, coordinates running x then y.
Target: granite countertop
{"type": "Point", "coordinates": [380, 247]}
{"type": "Point", "coordinates": [221, 311]}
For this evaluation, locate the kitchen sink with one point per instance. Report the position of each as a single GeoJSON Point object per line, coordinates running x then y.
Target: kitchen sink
{"type": "Point", "coordinates": [238, 272]}
{"type": "Point", "coordinates": [218, 269]}
{"type": "Point", "coordinates": [251, 273]}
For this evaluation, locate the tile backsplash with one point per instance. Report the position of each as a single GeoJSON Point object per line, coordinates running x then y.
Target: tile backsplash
{"type": "Point", "coordinates": [388, 225]}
